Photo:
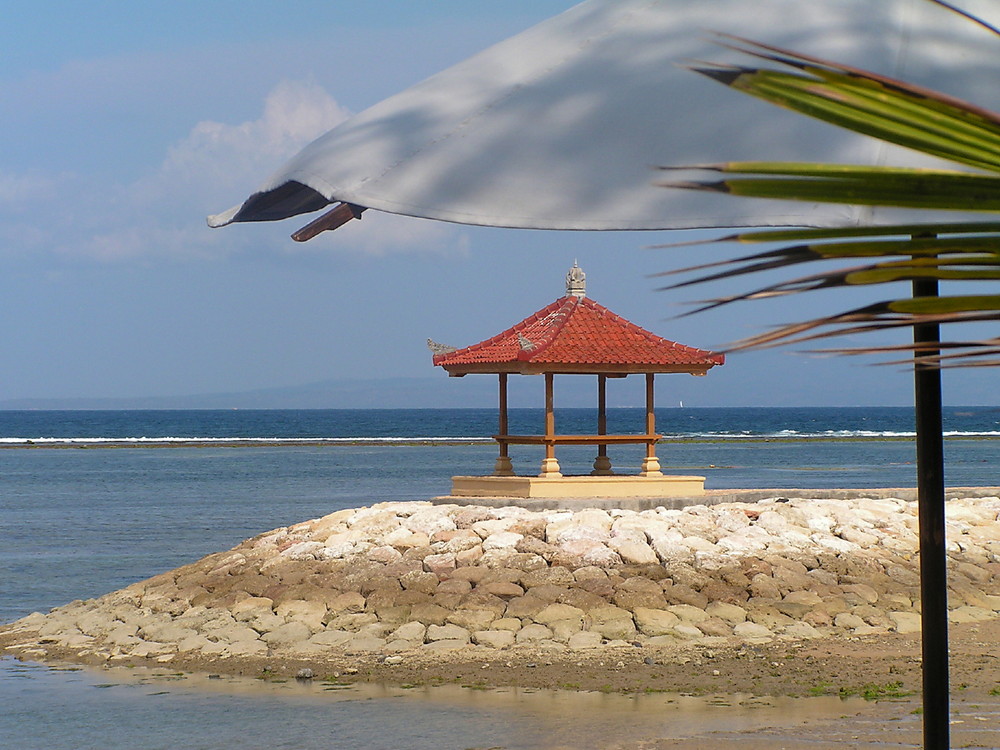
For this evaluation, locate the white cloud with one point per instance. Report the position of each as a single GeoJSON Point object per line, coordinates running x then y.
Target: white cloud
{"type": "Point", "coordinates": [18, 191]}
{"type": "Point", "coordinates": [162, 213]}
{"type": "Point", "coordinates": [218, 155]}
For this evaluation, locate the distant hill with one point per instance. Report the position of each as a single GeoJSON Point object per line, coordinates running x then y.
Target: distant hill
{"type": "Point", "coordinates": [389, 393]}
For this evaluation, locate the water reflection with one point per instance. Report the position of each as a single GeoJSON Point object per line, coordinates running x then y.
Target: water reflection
{"type": "Point", "coordinates": [58, 708]}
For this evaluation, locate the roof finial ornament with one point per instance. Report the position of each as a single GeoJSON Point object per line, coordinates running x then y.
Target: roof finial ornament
{"type": "Point", "coordinates": [437, 348]}
{"type": "Point", "coordinates": [576, 282]}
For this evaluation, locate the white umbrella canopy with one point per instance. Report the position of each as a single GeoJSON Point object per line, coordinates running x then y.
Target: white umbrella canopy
{"type": "Point", "coordinates": [560, 126]}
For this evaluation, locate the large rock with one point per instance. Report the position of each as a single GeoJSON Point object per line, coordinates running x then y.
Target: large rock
{"type": "Point", "coordinates": [613, 623]}
{"type": "Point", "coordinates": [165, 633]}
{"type": "Point", "coordinates": [310, 613]}
{"type": "Point", "coordinates": [448, 632]}
{"type": "Point", "coordinates": [687, 613]}
{"type": "Point", "coordinates": [287, 634]}
{"type": "Point", "coordinates": [556, 612]}
{"type": "Point", "coordinates": [440, 565]}
{"type": "Point", "coordinates": [332, 638]}
{"type": "Point", "coordinates": [585, 640]}
{"type": "Point", "coordinates": [472, 619]}
{"type": "Point", "coordinates": [525, 607]}
{"type": "Point", "coordinates": [233, 634]}
{"type": "Point", "coordinates": [752, 631]}
{"type": "Point", "coordinates": [403, 538]}
{"type": "Point", "coordinates": [655, 622]}
{"type": "Point", "coordinates": [506, 540]}
{"type": "Point", "coordinates": [501, 589]}
{"type": "Point", "coordinates": [730, 613]}
{"type": "Point", "coordinates": [430, 520]}
{"type": "Point", "coordinates": [494, 638]}
{"type": "Point", "coordinates": [410, 631]}
{"type": "Point", "coordinates": [350, 601]}
{"type": "Point", "coordinates": [578, 553]}
{"type": "Point", "coordinates": [905, 622]}
{"type": "Point", "coordinates": [634, 552]}
{"type": "Point", "coordinates": [421, 582]}
{"type": "Point", "coordinates": [533, 633]}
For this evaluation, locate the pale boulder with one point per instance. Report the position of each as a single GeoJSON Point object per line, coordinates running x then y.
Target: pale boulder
{"type": "Point", "coordinates": [557, 612]}
{"type": "Point", "coordinates": [310, 613]}
{"type": "Point", "coordinates": [727, 612]}
{"type": "Point", "coordinates": [653, 622]}
{"type": "Point", "coordinates": [611, 622]}
{"type": "Point", "coordinates": [633, 551]}
{"type": "Point", "coordinates": [472, 619]}
{"type": "Point", "coordinates": [905, 622]}
{"type": "Point", "coordinates": [494, 638]}
{"type": "Point", "coordinates": [752, 631]}
{"type": "Point", "coordinates": [448, 632]}
{"type": "Point", "coordinates": [503, 540]}
{"type": "Point", "coordinates": [533, 633]}
{"type": "Point", "coordinates": [430, 520]}
{"type": "Point", "coordinates": [331, 638]}
{"type": "Point", "coordinates": [287, 634]}
{"type": "Point", "coordinates": [687, 613]}
{"type": "Point", "coordinates": [585, 640]}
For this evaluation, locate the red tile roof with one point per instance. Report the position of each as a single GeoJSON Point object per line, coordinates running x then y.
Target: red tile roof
{"type": "Point", "coordinates": [576, 334]}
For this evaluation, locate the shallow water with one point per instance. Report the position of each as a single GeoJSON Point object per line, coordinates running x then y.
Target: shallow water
{"type": "Point", "coordinates": [156, 709]}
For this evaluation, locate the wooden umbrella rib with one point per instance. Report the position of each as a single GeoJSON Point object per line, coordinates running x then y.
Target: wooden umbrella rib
{"type": "Point", "coordinates": [334, 218]}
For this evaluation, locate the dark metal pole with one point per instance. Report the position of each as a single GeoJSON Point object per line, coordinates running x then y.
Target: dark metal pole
{"type": "Point", "coordinates": [930, 506]}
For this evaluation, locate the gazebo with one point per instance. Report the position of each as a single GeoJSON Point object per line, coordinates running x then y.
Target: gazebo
{"type": "Point", "coordinates": [576, 335]}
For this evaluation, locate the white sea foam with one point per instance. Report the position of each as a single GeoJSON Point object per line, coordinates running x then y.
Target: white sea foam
{"type": "Point", "coordinates": [825, 434]}
{"type": "Point", "coordinates": [735, 436]}
{"type": "Point", "coordinates": [230, 440]}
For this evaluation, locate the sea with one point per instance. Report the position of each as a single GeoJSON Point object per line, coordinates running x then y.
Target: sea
{"type": "Point", "coordinates": [91, 501]}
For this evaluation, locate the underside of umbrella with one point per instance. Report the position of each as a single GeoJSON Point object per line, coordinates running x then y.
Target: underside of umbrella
{"type": "Point", "coordinates": [560, 127]}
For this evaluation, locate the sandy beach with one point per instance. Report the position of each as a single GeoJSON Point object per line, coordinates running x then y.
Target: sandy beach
{"type": "Point", "coordinates": [800, 597]}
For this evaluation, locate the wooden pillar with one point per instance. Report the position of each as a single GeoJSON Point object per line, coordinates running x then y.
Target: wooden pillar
{"type": "Point", "coordinates": [550, 466]}
{"type": "Point", "coordinates": [503, 466]}
{"type": "Point", "coordinates": [651, 464]}
{"type": "Point", "coordinates": [602, 464]}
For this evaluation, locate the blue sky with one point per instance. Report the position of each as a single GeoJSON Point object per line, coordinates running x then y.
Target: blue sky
{"type": "Point", "coordinates": [125, 124]}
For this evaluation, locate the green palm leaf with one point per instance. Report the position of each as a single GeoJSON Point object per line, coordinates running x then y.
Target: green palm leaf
{"type": "Point", "coordinates": [896, 112]}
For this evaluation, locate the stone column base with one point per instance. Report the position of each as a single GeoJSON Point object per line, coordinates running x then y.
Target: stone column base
{"type": "Point", "coordinates": [651, 467]}
{"type": "Point", "coordinates": [550, 468]}
{"type": "Point", "coordinates": [602, 467]}
{"type": "Point", "coordinates": [503, 467]}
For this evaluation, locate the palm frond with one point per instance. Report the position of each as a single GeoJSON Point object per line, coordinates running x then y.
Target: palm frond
{"type": "Point", "coordinates": [896, 112]}
{"type": "Point", "coordinates": [857, 185]}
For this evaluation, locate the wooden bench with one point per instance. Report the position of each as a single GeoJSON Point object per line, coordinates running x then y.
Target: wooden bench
{"type": "Point", "coordinates": [577, 439]}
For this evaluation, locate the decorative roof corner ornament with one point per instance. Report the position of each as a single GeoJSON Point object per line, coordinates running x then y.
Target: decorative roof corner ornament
{"type": "Point", "coordinates": [437, 348]}
{"type": "Point", "coordinates": [525, 344]}
{"type": "Point", "coordinates": [576, 282]}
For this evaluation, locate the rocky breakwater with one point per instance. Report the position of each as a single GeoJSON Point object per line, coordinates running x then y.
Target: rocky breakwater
{"type": "Point", "coordinates": [393, 579]}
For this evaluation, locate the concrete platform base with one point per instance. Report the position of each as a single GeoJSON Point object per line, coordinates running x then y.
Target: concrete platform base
{"type": "Point", "coordinates": [614, 486]}
{"type": "Point", "coordinates": [706, 497]}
